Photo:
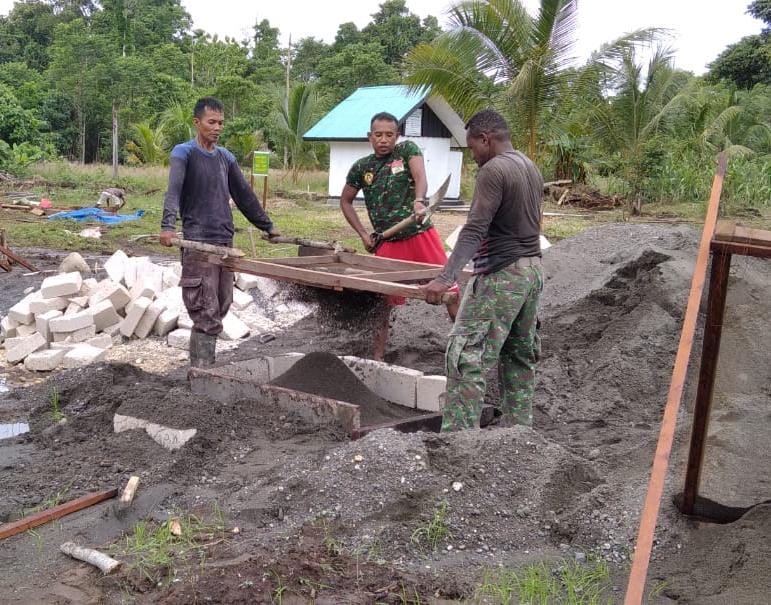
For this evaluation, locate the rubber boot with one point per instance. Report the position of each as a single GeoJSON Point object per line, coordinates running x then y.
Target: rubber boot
{"type": "Point", "coordinates": [202, 349]}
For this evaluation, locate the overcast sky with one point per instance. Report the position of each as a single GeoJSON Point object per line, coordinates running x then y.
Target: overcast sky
{"type": "Point", "coordinates": [701, 28]}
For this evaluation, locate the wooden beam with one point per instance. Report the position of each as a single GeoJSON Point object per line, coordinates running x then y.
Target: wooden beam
{"type": "Point", "coordinates": [304, 261]}
{"type": "Point", "coordinates": [16, 258]}
{"type": "Point", "coordinates": [636, 585]}
{"type": "Point", "coordinates": [5, 266]}
{"type": "Point", "coordinates": [729, 231]}
{"type": "Point", "coordinates": [741, 249]}
{"type": "Point", "coordinates": [380, 263]}
{"type": "Point", "coordinates": [11, 529]}
{"type": "Point", "coordinates": [319, 278]}
{"type": "Point", "coordinates": [405, 276]}
{"type": "Point", "coordinates": [713, 329]}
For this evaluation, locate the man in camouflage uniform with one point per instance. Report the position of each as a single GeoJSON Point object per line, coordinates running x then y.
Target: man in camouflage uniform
{"type": "Point", "coordinates": [394, 183]}
{"type": "Point", "coordinates": [497, 319]}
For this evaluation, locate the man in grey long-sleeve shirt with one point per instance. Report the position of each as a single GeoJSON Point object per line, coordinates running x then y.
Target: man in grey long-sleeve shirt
{"type": "Point", "coordinates": [496, 322]}
{"type": "Point", "coordinates": [203, 177]}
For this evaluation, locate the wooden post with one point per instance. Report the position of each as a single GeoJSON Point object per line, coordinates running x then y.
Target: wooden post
{"type": "Point", "coordinates": [265, 192]}
{"type": "Point", "coordinates": [250, 231]}
{"type": "Point", "coordinates": [251, 171]}
{"type": "Point", "coordinates": [710, 350]}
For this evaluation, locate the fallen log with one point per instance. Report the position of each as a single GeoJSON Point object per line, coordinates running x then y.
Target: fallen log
{"type": "Point", "coordinates": [16, 258]}
{"type": "Point", "coordinates": [16, 527]}
{"type": "Point", "coordinates": [105, 563]}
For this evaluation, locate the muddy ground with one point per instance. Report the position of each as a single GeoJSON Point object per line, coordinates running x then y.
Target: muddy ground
{"type": "Point", "coordinates": [326, 520]}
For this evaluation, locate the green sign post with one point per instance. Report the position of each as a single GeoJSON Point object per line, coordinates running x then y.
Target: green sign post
{"type": "Point", "coordinates": [260, 163]}
{"type": "Point", "coordinates": [261, 167]}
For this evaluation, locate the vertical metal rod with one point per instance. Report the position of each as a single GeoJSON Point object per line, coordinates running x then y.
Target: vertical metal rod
{"type": "Point", "coordinates": [710, 350]}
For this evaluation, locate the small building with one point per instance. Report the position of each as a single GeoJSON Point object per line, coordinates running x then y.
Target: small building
{"type": "Point", "coordinates": [426, 119]}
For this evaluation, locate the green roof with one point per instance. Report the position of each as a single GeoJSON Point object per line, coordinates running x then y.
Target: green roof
{"type": "Point", "coordinates": [350, 119]}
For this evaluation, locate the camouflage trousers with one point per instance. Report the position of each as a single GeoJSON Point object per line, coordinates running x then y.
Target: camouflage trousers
{"type": "Point", "coordinates": [207, 291]}
{"type": "Point", "coordinates": [496, 323]}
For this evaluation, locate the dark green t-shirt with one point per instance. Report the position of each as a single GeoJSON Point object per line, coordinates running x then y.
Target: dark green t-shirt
{"type": "Point", "coordinates": [389, 189]}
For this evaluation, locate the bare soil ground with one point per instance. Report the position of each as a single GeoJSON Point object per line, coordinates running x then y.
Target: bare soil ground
{"type": "Point", "coordinates": [326, 520]}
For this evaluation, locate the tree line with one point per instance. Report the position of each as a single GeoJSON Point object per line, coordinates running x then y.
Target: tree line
{"type": "Point", "coordinates": [116, 79]}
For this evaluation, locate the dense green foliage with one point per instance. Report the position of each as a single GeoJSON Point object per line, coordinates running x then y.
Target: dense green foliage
{"type": "Point", "coordinates": [642, 129]}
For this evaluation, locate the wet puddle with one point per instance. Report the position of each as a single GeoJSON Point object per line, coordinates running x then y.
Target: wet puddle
{"type": "Point", "coordinates": [13, 429]}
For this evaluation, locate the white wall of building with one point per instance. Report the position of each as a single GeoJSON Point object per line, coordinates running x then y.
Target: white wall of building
{"type": "Point", "coordinates": [439, 160]}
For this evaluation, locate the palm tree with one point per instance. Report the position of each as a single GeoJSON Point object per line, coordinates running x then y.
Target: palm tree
{"type": "Point", "coordinates": [176, 122]}
{"type": "Point", "coordinates": [632, 116]}
{"type": "Point", "coordinates": [297, 112]}
{"type": "Point", "coordinates": [496, 54]}
{"type": "Point", "coordinates": [147, 145]}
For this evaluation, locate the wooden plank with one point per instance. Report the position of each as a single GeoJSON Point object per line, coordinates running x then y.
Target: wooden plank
{"type": "Point", "coordinates": [404, 276]}
{"type": "Point", "coordinates": [636, 585]}
{"type": "Point", "coordinates": [380, 263]}
{"type": "Point", "coordinates": [741, 249]}
{"type": "Point", "coordinates": [304, 261]}
{"type": "Point", "coordinates": [11, 529]}
{"type": "Point", "coordinates": [729, 231]}
{"type": "Point", "coordinates": [5, 266]}
{"type": "Point", "coordinates": [16, 258]}
{"type": "Point", "coordinates": [713, 329]}
{"type": "Point", "coordinates": [319, 278]}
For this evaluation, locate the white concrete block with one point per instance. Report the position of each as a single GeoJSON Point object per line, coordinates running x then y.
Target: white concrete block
{"type": "Point", "coordinates": [81, 335]}
{"type": "Point", "coordinates": [44, 305]}
{"type": "Point", "coordinates": [42, 323]}
{"type": "Point", "coordinates": [233, 328]}
{"type": "Point", "coordinates": [64, 284]}
{"type": "Point", "coordinates": [134, 313]}
{"type": "Point", "coordinates": [282, 363]}
{"type": "Point", "coordinates": [104, 315]}
{"type": "Point", "coordinates": [44, 361]}
{"type": "Point", "coordinates": [152, 275]}
{"type": "Point", "coordinates": [109, 290]}
{"type": "Point", "coordinates": [71, 323]}
{"type": "Point", "coordinates": [172, 275]}
{"type": "Point", "coordinates": [23, 330]}
{"type": "Point", "coordinates": [64, 346]}
{"type": "Point", "coordinates": [431, 393]}
{"type": "Point", "coordinates": [184, 321]}
{"type": "Point", "coordinates": [133, 269]}
{"type": "Point", "coordinates": [8, 327]}
{"type": "Point", "coordinates": [22, 312]}
{"type": "Point", "coordinates": [142, 288]}
{"type": "Point", "coordinates": [82, 355]}
{"type": "Point", "coordinates": [166, 322]}
{"type": "Point", "coordinates": [172, 298]}
{"type": "Point", "coordinates": [245, 282]}
{"type": "Point", "coordinates": [102, 341]}
{"type": "Point", "coordinates": [72, 308]}
{"type": "Point", "coordinates": [179, 339]}
{"type": "Point", "coordinates": [113, 329]}
{"type": "Point", "coordinates": [19, 347]}
{"type": "Point", "coordinates": [393, 383]}
{"type": "Point", "coordinates": [81, 301]}
{"type": "Point", "coordinates": [145, 325]}
{"type": "Point", "coordinates": [241, 299]}
{"type": "Point", "coordinates": [116, 266]}
{"type": "Point", "coordinates": [89, 285]}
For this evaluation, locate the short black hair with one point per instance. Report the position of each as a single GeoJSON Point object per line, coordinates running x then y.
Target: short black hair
{"type": "Point", "coordinates": [488, 121]}
{"type": "Point", "coordinates": [384, 116]}
{"type": "Point", "coordinates": [207, 103]}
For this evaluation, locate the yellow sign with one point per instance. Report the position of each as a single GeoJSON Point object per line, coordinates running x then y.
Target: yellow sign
{"type": "Point", "coordinates": [260, 163]}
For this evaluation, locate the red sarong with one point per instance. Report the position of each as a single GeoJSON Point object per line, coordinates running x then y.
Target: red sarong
{"type": "Point", "coordinates": [424, 247]}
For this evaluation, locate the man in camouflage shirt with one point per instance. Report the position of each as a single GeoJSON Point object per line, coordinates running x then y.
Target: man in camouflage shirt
{"type": "Point", "coordinates": [394, 183]}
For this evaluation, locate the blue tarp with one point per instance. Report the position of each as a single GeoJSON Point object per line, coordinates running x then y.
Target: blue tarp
{"type": "Point", "coordinates": [96, 214]}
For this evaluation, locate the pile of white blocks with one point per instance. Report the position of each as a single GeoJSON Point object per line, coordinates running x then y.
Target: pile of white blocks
{"type": "Point", "coordinates": [71, 321]}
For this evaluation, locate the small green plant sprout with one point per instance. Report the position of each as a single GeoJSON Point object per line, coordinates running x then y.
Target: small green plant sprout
{"type": "Point", "coordinates": [54, 402]}
{"type": "Point", "coordinates": [435, 529]}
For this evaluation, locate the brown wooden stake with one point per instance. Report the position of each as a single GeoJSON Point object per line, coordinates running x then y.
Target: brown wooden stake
{"type": "Point", "coordinates": [16, 258]}
{"type": "Point", "coordinates": [642, 554]}
{"type": "Point", "coordinates": [250, 231]}
{"type": "Point", "coordinates": [11, 529]}
{"type": "Point", "coordinates": [265, 192]}
{"type": "Point", "coordinates": [251, 171]}
{"type": "Point", "coordinates": [713, 329]}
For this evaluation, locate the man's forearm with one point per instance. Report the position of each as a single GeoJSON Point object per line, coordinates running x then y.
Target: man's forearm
{"type": "Point", "coordinates": [171, 199]}
{"type": "Point", "coordinates": [349, 212]}
{"type": "Point", "coordinates": [466, 247]}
